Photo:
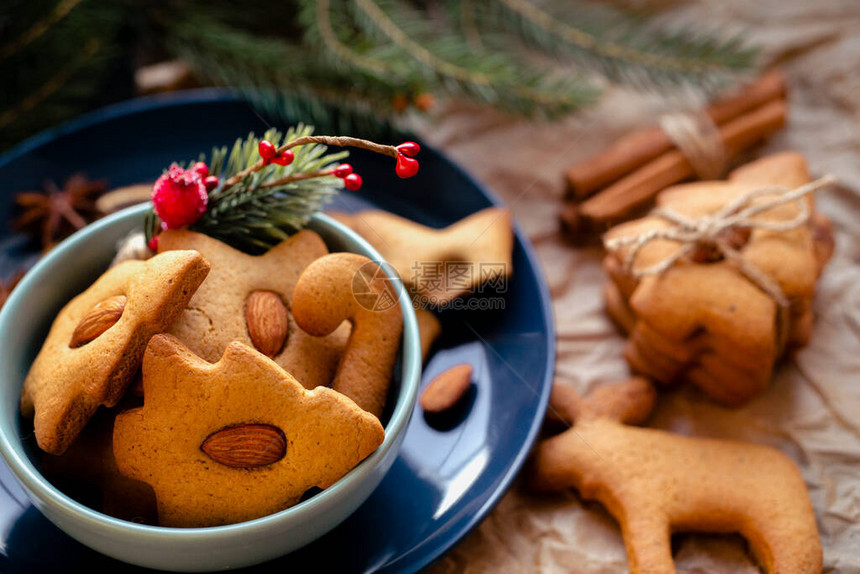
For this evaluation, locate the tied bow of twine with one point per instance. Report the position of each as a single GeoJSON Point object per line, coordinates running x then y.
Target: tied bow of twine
{"type": "Point", "coordinates": [697, 137]}
{"type": "Point", "coordinates": [710, 231]}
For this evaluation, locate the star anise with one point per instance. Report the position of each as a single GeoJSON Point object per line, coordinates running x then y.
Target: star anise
{"type": "Point", "coordinates": [55, 213]}
{"type": "Point", "coordinates": [7, 286]}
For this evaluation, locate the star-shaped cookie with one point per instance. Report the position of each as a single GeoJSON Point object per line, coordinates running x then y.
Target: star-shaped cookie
{"type": "Point", "coordinates": [235, 440]}
{"type": "Point", "coordinates": [219, 312]}
{"type": "Point", "coordinates": [82, 366]}
{"type": "Point", "coordinates": [440, 264]}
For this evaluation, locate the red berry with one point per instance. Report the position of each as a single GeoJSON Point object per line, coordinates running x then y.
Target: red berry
{"type": "Point", "coordinates": [201, 169]}
{"type": "Point", "coordinates": [210, 182]}
{"type": "Point", "coordinates": [409, 148]}
{"type": "Point", "coordinates": [406, 166]}
{"type": "Point", "coordinates": [285, 158]}
{"type": "Point", "coordinates": [342, 170]}
{"type": "Point", "coordinates": [267, 149]}
{"type": "Point", "coordinates": [352, 182]}
{"type": "Point", "coordinates": [179, 197]}
{"type": "Point", "coordinates": [153, 244]}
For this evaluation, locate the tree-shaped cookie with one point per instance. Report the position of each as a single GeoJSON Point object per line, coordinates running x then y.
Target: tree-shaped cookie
{"type": "Point", "coordinates": [235, 440]}
{"type": "Point", "coordinates": [246, 298]}
{"type": "Point", "coordinates": [97, 341]}
{"type": "Point", "coordinates": [440, 264]}
{"type": "Point", "coordinates": [656, 483]}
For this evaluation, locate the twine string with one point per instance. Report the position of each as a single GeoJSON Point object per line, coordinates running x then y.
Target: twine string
{"type": "Point", "coordinates": [706, 230]}
{"type": "Point", "coordinates": [697, 137]}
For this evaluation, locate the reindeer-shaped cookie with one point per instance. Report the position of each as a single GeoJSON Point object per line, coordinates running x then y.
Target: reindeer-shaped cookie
{"type": "Point", "coordinates": [656, 483]}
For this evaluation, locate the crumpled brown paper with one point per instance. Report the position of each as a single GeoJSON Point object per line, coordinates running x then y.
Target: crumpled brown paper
{"type": "Point", "coordinates": [812, 410]}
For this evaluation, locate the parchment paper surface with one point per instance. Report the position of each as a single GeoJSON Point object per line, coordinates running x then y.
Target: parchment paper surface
{"type": "Point", "coordinates": [812, 410]}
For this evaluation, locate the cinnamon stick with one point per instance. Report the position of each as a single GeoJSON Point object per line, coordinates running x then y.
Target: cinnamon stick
{"type": "Point", "coordinates": [638, 148]}
{"type": "Point", "coordinates": [642, 185]}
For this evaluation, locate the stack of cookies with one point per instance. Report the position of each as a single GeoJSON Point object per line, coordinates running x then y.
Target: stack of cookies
{"type": "Point", "coordinates": [704, 319]}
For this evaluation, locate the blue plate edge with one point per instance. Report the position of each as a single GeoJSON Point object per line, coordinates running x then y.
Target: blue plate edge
{"type": "Point", "coordinates": [210, 95]}
{"type": "Point", "coordinates": [543, 400]}
{"type": "Point", "coordinates": [117, 110]}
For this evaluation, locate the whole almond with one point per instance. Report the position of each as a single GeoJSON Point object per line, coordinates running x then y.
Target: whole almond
{"type": "Point", "coordinates": [98, 320]}
{"type": "Point", "coordinates": [266, 317]}
{"type": "Point", "coordinates": [246, 445]}
{"type": "Point", "coordinates": [446, 389]}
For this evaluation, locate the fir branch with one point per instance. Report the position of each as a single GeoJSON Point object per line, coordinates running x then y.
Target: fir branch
{"type": "Point", "coordinates": [351, 66]}
{"type": "Point", "coordinates": [322, 24]}
{"type": "Point", "coordinates": [285, 81]}
{"type": "Point", "coordinates": [465, 11]}
{"type": "Point", "coordinates": [56, 62]}
{"type": "Point", "coordinates": [38, 28]}
{"type": "Point", "coordinates": [623, 47]}
{"type": "Point", "coordinates": [49, 88]}
{"type": "Point", "coordinates": [265, 206]}
{"type": "Point", "coordinates": [496, 78]}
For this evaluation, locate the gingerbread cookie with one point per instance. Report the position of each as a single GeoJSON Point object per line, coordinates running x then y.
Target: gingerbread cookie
{"type": "Point", "coordinates": [246, 298]}
{"type": "Point", "coordinates": [440, 264]}
{"type": "Point", "coordinates": [656, 483]}
{"type": "Point", "coordinates": [349, 287]}
{"type": "Point", "coordinates": [429, 329]}
{"type": "Point", "coordinates": [97, 341]}
{"type": "Point", "coordinates": [235, 440]}
{"type": "Point", "coordinates": [704, 318]}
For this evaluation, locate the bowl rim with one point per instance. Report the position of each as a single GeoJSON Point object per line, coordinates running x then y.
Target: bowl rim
{"type": "Point", "coordinates": [40, 487]}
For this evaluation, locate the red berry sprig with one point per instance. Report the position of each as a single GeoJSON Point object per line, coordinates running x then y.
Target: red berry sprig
{"type": "Point", "coordinates": [406, 166]}
{"type": "Point", "coordinates": [267, 150]}
{"type": "Point", "coordinates": [342, 170]}
{"type": "Point", "coordinates": [352, 182]}
{"type": "Point", "coordinates": [272, 155]}
{"type": "Point", "coordinates": [409, 148]}
{"type": "Point", "coordinates": [181, 196]}
{"type": "Point", "coordinates": [209, 181]}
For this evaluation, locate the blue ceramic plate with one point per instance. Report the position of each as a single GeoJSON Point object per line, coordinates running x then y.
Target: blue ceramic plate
{"type": "Point", "coordinates": [448, 476]}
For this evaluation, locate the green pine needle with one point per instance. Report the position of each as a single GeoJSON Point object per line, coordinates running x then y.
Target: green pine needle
{"type": "Point", "coordinates": [252, 216]}
{"type": "Point", "coordinates": [353, 66]}
{"type": "Point", "coordinates": [44, 81]}
{"type": "Point", "coordinates": [622, 46]}
{"type": "Point", "coordinates": [408, 44]}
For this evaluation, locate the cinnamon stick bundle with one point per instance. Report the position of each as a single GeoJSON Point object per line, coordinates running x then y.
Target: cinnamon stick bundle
{"type": "Point", "coordinates": [639, 188]}
{"type": "Point", "coordinates": [635, 169]}
{"type": "Point", "coordinates": [637, 149]}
